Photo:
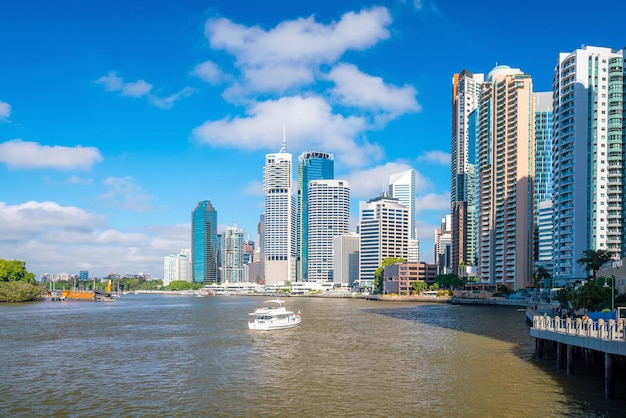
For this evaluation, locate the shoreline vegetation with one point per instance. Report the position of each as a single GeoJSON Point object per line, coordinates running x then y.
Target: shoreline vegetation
{"type": "Point", "coordinates": [16, 283]}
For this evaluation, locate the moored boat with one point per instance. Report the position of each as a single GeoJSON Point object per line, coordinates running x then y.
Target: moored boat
{"type": "Point", "coordinates": [270, 318]}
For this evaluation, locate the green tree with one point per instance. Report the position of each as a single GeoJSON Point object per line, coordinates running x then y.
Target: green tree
{"type": "Point", "coordinates": [593, 260]}
{"type": "Point", "coordinates": [15, 270]}
{"type": "Point", "coordinates": [448, 281]}
{"type": "Point", "coordinates": [16, 283]}
{"type": "Point", "coordinates": [179, 285]}
{"type": "Point", "coordinates": [419, 286]}
{"type": "Point", "coordinates": [541, 273]}
{"type": "Point", "coordinates": [378, 274]}
{"type": "Point", "coordinates": [592, 296]}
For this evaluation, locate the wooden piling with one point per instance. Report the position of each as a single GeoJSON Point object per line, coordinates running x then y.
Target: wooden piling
{"type": "Point", "coordinates": [609, 378]}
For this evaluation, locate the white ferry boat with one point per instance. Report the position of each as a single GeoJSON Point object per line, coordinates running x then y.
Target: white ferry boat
{"type": "Point", "coordinates": [270, 317]}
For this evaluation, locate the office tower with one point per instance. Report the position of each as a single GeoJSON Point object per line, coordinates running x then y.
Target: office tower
{"type": "Point", "coordinates": [232, 255]}
{"type": "Point", "coordinates": [443, 246]}
{"type": "Point", "coordinates": [175, 268]}
{"type": "Point", "coordinates": [543, 147]}
{"type": "Point", "coordinates": [204, 243]}
{"type": "Point", "coordinates": [328, 216]}
{"type": "Point", "coordinates": [384, 230]}
{"type": "Point", "coordinates": [402, 187]}
{"type": "Point", "coordinates": [587, 157]}
{"type": "Point", "coordinates": [543, 179]}
{"type": "Point", "coordinates": [280, 218]}
{"type": "Point", "coordinates": [311, 166]}
{"type": "Point", "coordinates": [544, 237]}
{"type": "Point", "coordinates": [505, 154]}
{"type": "Point", "coordinates": [346, 259]}
{"type": "Point", "coordinates": [185, 272]}
{"type": "Point", "coordinates": [248, 251]}
{"type": "Point", "coordinates": [465, 99]}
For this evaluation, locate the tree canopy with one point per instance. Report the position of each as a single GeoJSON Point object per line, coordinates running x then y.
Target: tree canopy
{"type": "Point", "coordinates": [449, 281]}
{"type": "Point", "coordinates": [15, 270]}
{"type": "Point", "coordinates": [378, 274]}
{"type": "Point", "coordinates": [16, 283]}
{"type": "Point", "coordinates": [593, 260]}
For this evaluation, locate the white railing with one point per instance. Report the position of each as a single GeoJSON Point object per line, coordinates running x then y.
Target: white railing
{"type": "Point", "coordinates": [604, 330]}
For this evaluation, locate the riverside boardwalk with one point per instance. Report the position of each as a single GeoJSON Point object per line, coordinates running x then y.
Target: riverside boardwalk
{"type": "Point", "coordinates": [606, 337]}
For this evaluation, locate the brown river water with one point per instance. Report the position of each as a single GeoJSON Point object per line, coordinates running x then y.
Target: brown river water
{"type": "Point", "coordinates": [184, 356]}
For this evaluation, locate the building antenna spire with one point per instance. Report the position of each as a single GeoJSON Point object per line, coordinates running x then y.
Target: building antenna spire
{"type": "Point", "coordinates": [284, 148]}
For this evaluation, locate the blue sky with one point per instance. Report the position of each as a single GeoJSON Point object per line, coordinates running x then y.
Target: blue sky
{"type": "Point", "coordinates": [118, 117]}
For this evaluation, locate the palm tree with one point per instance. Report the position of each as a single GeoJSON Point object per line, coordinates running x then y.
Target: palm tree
{"type": "Point", "coordinates": [542, 273]}
{"type": "Point", "coordinates": [593, 260]}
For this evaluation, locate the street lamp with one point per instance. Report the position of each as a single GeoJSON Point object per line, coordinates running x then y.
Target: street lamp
{"type": "Point", "coordinates": [612, 291]}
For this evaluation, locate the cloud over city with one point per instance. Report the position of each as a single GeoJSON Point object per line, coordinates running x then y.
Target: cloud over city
{"type": "Point", "coordinates": [18, 154]}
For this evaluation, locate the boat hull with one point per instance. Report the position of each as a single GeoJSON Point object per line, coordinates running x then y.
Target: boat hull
{"type": "Point", "coordinates": [269, 325]}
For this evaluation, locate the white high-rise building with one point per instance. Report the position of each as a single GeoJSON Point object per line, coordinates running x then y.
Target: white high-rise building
{"type": "Point", "coordinates": [587, 157]}
{"type": "Point", "coordinates": [443, 246]}
{"type": "Point", "coordinates": [328, 216]}
{"type": "Point", "coordinates": [384, 230]}
{"type": "Point", "coordinates": [232, 268]}
{"type": "Point", "coordinates": [402, 186]}
{"type": "Point", "coordinates": [177, 267]}
{"type": "Point", "coordinates": [346, 259]}
{"type": "Point", "coordinates": [279, 218]}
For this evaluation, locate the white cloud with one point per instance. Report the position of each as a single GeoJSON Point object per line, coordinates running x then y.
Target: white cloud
{"type": "Point", "coordinates": [209, 72]}
{"type": "Point", "coordinates": [125, 193]}
{"type": "Point", "coordinates": [254, 188]}
{"type": "Point", "coordinates": [78, 180]}
{"type": "Point", "coordinates": [369, 183]}
{"type": "Point", "coordinates": [168, 102]}
{"type": "Point", "coordinates": [437, 157]}
{"type": "Point", "coordinates": [29, 155]}
{"type": "Point", "coordinates": [356, 89]}
{"type": "Point", "coordinates": [139, 89]}
{"type": "Point", "coordinates": [136, 89]}
{"type": "Point", "coordinates": [33, 219]}
{"type": "Point", "coordinates": [310, 124]}
{"type": "Point", "coordinates": [52, 238]}
{"type": "Point", "coordinates": [5, 110]}
{"type": "Point", "coordinates": [433, 201]}
{"type": "Point", "coordinates": [288, 54]}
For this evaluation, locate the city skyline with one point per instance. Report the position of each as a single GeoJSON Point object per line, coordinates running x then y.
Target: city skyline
{"type": "Point", "coordinates": [115, 121]}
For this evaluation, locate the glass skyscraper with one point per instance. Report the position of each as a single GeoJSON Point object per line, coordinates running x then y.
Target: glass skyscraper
{"type": "Point", "coordinates": [204, 243]}
{"type": "Point", "coordinates": [311, 166]}
{"type": "Point", "coordinates": [465, 100]}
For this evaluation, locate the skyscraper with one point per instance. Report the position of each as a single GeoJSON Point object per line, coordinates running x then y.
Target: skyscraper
{"type": "Point", "coordinates": [543, 180]}
{"type": "Point", "coordinates": [402, 186]}
{"type": "Point", "coordinates": [311, 166]}
{"type": "Point", "coordinates": [443, 246]}
{"type": "Point", "coordinates": [232, 255]}
{"type": "Point", "coordinates": [384, 230]}
{"type": "Point", "coordinates": [505, 153]}
{"type": "Point", "coordinates": [588, 152]}
{"type": "Point", "coordinates": [465, 99]}
{"type": "Point", "coordinates": [346, 259]}
{"type": "Point", "coordinates": [204, 243]}
{"type": "Point", "coordinates": [328, 216]}
{"type": "Point", "coordinates": [175, 268]}
{"type": "Point", "coordinates": [279, 219]}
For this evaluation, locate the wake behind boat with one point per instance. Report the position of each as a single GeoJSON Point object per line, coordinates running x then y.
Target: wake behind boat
{"type": "Point", "coordinates": [270, 317]}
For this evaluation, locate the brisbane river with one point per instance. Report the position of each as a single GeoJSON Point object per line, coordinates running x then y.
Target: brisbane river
{"type": "Point", "coordinates": [183, 356]}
